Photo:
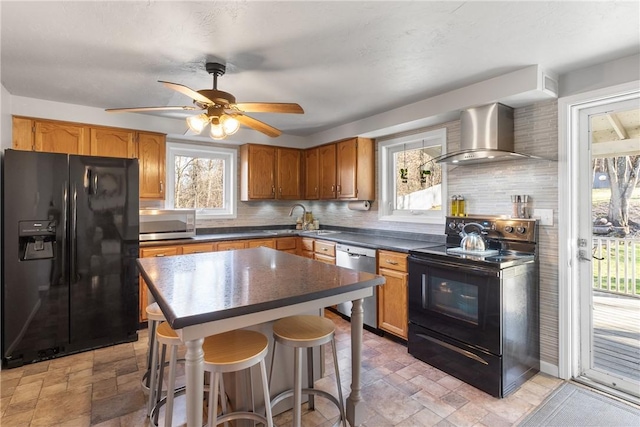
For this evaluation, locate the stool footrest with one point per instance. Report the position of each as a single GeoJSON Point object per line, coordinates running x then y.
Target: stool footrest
{"type": "Point", "coordinates": [241, 416]}
{"type": "Point", "coordinates": [178, 391]}
{"type": "Point", "coordinates": [289, 393]}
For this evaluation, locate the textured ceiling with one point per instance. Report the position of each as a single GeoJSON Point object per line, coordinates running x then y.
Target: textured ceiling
{"type": "Point", "coordinates": [341, 61]}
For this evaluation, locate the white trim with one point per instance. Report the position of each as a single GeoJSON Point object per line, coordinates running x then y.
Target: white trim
{"type": "Point", "coordinates": [568, 131]}
{"type": "Point", "coordinates": [549, 369]}
{"type": "Point", "coordinates": [429, 138]}
{"type": "Point", "coordinates": [230, 157]}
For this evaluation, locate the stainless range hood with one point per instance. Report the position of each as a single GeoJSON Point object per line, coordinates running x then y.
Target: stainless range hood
{"type": "Point", "coordinates": [486, 135]}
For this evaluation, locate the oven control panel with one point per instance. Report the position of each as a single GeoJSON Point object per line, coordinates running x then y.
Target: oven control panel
{"type": "Point", "coordinates": [519, 229]}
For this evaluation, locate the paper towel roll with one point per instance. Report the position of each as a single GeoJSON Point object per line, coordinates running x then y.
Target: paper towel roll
{"type": "Point", "coordinates": [364, 205]}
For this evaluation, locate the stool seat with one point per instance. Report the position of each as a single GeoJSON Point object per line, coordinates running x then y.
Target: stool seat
{"type": "Point", "coordinates": [230, 352]}
{"type": "Point", "coordinates": [167, 335]}
{"type": "Point", "coordinates": [154, 313]}
{"type": "Point", "coordinates": [304, 330]}
{"type": "Point", "coordinates": [234, 348]}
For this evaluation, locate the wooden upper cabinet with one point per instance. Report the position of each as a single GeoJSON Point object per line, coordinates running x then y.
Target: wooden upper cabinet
{"type": "Point", "coordinates": [312, 174]}
{"type": "Point", "coordinates": [22, 134]}
{"type": "Point", "coordinates": [355, 174]}
{"type": "Point", "coordinates": [268, 172]}
{"type": "Point", "coordinates": [257, 172]}
{"type": "Point", "coordinates": [288, 172]}
{"type": "Point", "coordinates": [109, 142]}
{"type": "Point", "coordinates": [151, 154]}
{"type": "Point", "coordinates": [327, 171]}
{"type": "Point", "coordinates": [61, 137]}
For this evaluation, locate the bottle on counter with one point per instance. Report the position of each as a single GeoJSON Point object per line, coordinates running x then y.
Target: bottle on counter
{"type": "Point", "coordinates": [454, 205]}
{"type": "Point", "coordinates": [461, 207]}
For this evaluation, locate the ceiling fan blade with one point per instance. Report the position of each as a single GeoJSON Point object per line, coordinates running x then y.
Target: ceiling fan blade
{"type": "Point", "coordinates": [270, 107]}
{"type": "Point", "coordinates": [187, 91]}
{"type": "Point", "coordinates": [136, 109]}
{"type": "Point", "coordinates": [258, 125]}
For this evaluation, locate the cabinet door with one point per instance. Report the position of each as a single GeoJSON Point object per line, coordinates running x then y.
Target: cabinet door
{"type": "Point", "coordinates": [289, 244]}
{"type": "Point", "coordinates": [327, 168]}
{"type": "Point", "coordinates": [312, 174]}
{"type": "Point", "coordinates": [346, 162]}
{"type": "Point", "coordinates": [196, 248]}
{"type": "Point", "coordinates": [144, 291]}
{"type": "Point", "coordinates": [324, 258]}
{"type": "Point", "coordinates": [67, 138]}
{"type": "Point", "coordinates": [325, 248]}
{"type": "Point", "coordinates": [288, 167]}
{"type": "Point", "coordinates": [261, 166]}
{"type": "Point", "coordinates": [392, 303]}
{"type": "Point", "coordinates": [151, 155]}
{"type": "Point", "coordinates": [229, 246]}
{"type": "Point", "coordinates": [113, 143]}
{"type": "Point", "coordinates": [267, 243]}
{"type": "Point", "coordinates": [22, 134]}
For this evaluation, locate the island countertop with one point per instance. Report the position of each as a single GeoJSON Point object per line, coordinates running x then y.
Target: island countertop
{"type": "Point", "coordinates": [204, 287]}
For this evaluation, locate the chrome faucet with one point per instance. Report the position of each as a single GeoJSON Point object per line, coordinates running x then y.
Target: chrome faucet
{"type": "Point", "coordinates": [304, 214]}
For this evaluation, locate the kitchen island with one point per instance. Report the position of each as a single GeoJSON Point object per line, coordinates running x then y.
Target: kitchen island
{"type": "Point", "coordinates": [210, 293]}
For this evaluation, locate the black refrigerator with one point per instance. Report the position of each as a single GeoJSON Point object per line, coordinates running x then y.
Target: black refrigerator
{"type": "Point", "coordinates": [70, 241]}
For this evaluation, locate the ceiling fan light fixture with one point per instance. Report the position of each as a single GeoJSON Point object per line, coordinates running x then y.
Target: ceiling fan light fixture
{"type": "Point", "coordinates": [217, 131]}
{"type": "Point", "coordinates": [229, 124]}
{"type": "Point", "coordinates": [197, 123]}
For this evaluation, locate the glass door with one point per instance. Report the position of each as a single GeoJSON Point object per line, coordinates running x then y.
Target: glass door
{"type": "Point", "coordinates": [609, 245]}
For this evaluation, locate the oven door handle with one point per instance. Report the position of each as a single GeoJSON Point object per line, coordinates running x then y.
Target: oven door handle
{"type": "Point", "coordinates": [465, 353]}
{"type": "Point", "coordinates": [454, 265]}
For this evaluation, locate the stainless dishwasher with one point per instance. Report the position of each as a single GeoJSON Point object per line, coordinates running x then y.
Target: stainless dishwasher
{"type": "Point", "coordinates": [361, 259]}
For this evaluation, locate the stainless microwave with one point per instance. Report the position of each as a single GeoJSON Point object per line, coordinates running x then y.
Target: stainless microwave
{"type": "Point", "coordinates": [161, 224]}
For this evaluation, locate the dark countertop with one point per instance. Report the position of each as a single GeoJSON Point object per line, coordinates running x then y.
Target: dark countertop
{"type": "Point", "coordinates": [198, 288]}
{"type": "Point", "coordinates": [374, 239]}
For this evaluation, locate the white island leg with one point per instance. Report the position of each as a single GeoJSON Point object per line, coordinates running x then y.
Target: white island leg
{"type": "Point", "coordinates": [355, 405]}
{"type": "Point", "coordinates": [194, 370]}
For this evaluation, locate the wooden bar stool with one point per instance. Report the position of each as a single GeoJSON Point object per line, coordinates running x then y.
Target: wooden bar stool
{"type": "Point", "coordinates": [166, 336]}
{"type": "Point", "coordinates": [299, 332]}
{"type": "Point", "coordinates": [230, 352]}
{"type": "Point", "coordinates": [155, 317]}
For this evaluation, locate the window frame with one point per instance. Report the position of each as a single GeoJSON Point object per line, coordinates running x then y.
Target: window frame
{"type": "Point", "coordinates": [230, 158]}
{"type": "Point", "coordinates": [386, 150]}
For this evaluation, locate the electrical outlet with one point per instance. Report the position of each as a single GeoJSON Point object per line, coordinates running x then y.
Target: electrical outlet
{"type": "Point", "coordinates": [544, 215]}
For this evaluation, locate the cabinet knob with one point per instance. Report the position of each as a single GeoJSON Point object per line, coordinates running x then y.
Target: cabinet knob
{"type": "Point", "coordinates": [391, 262]}
{"type": "Point", "coordinates": [159, 255]}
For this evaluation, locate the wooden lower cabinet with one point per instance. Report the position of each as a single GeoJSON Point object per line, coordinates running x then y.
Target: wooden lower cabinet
{"type": "Point", "coordinates": [157, 251]}
{"type": "Point", "coordinates": [324, 251]}
{"type": "Point", "coordinates": [392, 296]}
{"type": "Point", "coordinates": [232, 245]}
{"type": "Point", "coordinates": [287, 244]}
{"type": "Point", "coordinates": [266, 243]}
{"type": "Point", "coordinates": [306, 247]}
{"type": "Point", "coordinates": [196, 248]}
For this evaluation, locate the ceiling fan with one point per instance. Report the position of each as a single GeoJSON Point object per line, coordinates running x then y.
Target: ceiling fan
{"type": "Point", "coordinates": [221, 111]}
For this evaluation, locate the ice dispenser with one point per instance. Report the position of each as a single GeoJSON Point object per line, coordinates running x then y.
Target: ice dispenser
{"type": "Point", "coordinates": [36, 239]}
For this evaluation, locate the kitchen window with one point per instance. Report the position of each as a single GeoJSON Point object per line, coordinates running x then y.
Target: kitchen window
{"type": "Point", "coordinates": [202, 178]}
{"type": "Point", "coordinates": [412, 185]}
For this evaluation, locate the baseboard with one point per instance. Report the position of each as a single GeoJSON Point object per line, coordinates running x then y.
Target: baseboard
{"type": "Point", "coordinates": [549, 369]}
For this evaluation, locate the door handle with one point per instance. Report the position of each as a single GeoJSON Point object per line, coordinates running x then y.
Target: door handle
{"type": "Point", "coordinates": [582, 256]}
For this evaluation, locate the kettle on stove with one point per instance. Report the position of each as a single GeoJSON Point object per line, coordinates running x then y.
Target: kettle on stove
{"type": "Point", "coordinates": [473, 241]}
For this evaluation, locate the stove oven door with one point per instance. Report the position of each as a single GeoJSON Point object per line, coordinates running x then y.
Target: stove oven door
{"type": "Point", "coordinates": [457, 300]}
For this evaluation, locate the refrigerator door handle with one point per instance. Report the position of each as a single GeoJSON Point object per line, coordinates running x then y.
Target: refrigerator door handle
{"type": "Point", "coordinates": [74, 234]}
{"type": "Point", "coordinates": [63, 235]}
{"type": "Point", "coordinates": [95, 182]}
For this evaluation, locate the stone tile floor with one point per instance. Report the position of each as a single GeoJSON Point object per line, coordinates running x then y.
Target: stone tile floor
{"type": "Point", "coordinates": [103, 388]}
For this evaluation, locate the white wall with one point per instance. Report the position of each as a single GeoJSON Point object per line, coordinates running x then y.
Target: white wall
{"type": "Point", "coordinates": [600, 76]}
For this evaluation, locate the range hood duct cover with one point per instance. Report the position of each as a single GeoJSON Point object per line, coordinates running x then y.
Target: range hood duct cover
{"type": "Point", "coordinates": [486, 135]}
